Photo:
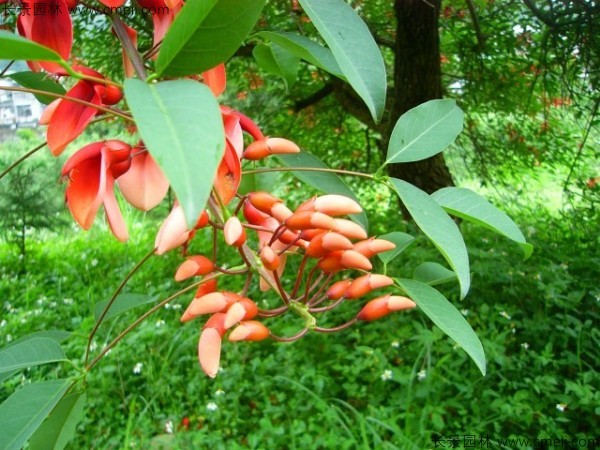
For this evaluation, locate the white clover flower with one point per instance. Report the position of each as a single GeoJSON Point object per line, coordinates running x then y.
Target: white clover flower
{"type": "Point", "coordinates": [52, 305]}
{"type": "Point", "coordinates": [169, 427]}
{"type": "Point", "coordinates": [561, 407]}
{"type": "Point", "coordinates": [505, 315]}
{"type": "Point", "coordinates": [386, 375]}
{"type": "Point", "coordinates": [395, 344]}
{"type": "Point", "coordinates": [93, 346]}
{"type": "Point", "coordinates": [525, 346]}
{"type": "Point", "coordinates": [176, 306]}
{"type": "Point", "coordinates": [212, 406]}
{"type": "Point", "coordinates": [219, 392]}
{"type": "Point", "coordinates": [137, 369]}
{"type": "Point", "coordinates": [422, 375]}
{"type": "Point", "coordinates": [160, 323]}
{"type": "Point", "coordinates": [9, 338]}
{"type": "Point", "coordinates": [464, 312]}
{"type": "Point", "coordinates": [94, 262]}
{"type": "Point", "coordinates": [68, 301]}
{"type": "Point", "coordinates": [3, 323]}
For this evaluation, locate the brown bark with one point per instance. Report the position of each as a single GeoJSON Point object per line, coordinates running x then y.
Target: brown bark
{"type": "Point", "coordinates": [417, 79]}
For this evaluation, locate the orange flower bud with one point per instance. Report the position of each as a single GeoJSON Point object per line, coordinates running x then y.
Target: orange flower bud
{"type": "Point", "coordinates": [234, 232]}
{"type": "Point", "coordinates": [370, 247]}
{"type": "Point", "coordinates": [253, 215]}
{"type": "Point", "coordinates": [257, 150]}
{"type": "Point", "coordinates": [280, 212]}
{"type": "Point", "coordinates": [336, 205]}
{"type": "Point", "coordinates": [209, 345]}
{"type": "Point", "coordinates": [206, 288]}
{"type": "Point", "coordinates": [263, 201]}
{"type": "Point", "coordinates": [280, 146]}
{"type": "Point", "coordinates": [326, 242]}
{"type": "Point", "coordinates": [338, 289]}
{"type": "Point", "coordinates": [243, 310]}
{"type": "Point", "coordinates": [365, 284]}
{"type": "Point", "coordinates": [349, 229]}
{"type": "Point", "coordinates": [308, 219]}
{"type": "Point", "coordinates": [351, 259]}
{"type": "Point", "coordinates": [202, 220]}
{"type": "Point", "coordinates": [194, 266]}
{"type": "Point", "coordinates": [382, 306]}
{"type": "Point", "coordinates": [271, 146]}
{"type": "Point", "coordinates": [269, 258]}
{"type": "Point", "coordinates": [250, 330]}
{"type": "Point", "coordinates": [210, 303]}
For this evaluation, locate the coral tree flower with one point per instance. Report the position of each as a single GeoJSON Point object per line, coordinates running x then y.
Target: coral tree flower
{"type": "Point", "coordinates": [91, 172]}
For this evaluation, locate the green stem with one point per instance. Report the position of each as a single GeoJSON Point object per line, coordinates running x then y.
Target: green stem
{"type": "Point", "coordinates": [81, 76]}
{"type": "Point", "coordinates": [309, 169]}
{"type": "Point", "coordinates": [301, 310]}
{"type": "Point", "coordinates": [70, 99]}
{"type": "Point", "coordinates": [112, 300]}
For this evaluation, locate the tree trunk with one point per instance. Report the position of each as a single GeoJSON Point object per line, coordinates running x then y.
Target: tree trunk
{"type": "Point", "coordinates": [417, 79]}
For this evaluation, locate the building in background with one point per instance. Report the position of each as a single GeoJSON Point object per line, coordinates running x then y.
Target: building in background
{"type": "Point", "coordinates": [17, 109]}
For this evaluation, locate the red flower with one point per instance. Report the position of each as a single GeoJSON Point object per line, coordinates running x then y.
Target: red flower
{"type": "Point", "coordinates": [92, 172]}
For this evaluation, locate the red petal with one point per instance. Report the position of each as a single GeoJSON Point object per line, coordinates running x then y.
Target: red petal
{"type": "Point", "coordinates": [112, 3]}
{"type": "Point", "coordinates": [54, 30]}
{"type": "Point", "coordinates": [143, 185]}
{"type": "Point", "coordinates": [215, 79]}
{"type": "Point", "coordinates": [70, 118]}
{"type": "Point", "coordinates": [86, 189]}
{"type": "Point", "coordinates": [113, 213]}
{"type": "Point", "coordinates": [229, 175]}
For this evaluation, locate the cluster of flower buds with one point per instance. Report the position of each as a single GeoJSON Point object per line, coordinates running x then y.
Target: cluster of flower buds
{"type": "Point", "coordinates": [329, 249]}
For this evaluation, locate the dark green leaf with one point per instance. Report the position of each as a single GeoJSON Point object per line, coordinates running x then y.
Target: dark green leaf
{"type": "Point", "coordinates": [205, 34]}
{"type": "Point", "coordinates": [446, 317]}
{"type": "Point", "coordinates": [13, 46]}
{"type": "Point", "coordinates": [354, 49]}
{"type": "Point", "coordinates": [277, 61]}
{"type": "Point", "coordinates": [402, 241]}
{"type": "Point", "coordinates": [180, 123]}
{"type": "Point", "coordinates": [40, 81]}
{"type": "Point", "coordinates": [433, 274]}
{"type": "Point", "coordinates": [326, 182]}
{"type": "Point", "coordinates": [471, 206]}
{"type": "Point", "coordinates": [425, 131]}
{"type": "Point", "coordinates": [30, 352]}
{"type": "Point", "coordinates": [59, 428]}
{"type": "Point", "coordinates": [123, 302]}
{"type": "Point", "coordinates": [23, 412]}
{"type": "Point", "coordinates": [305, 49]}
{"type": "Point", "coordinates": [254, 182]}
{"type": "Point", "coordinates": [439, 227]}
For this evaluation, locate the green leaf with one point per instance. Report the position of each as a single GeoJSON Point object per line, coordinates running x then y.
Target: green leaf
{"type": "Point", "coordinates": [39, 81]}
{"type": "Point", "coordinates": [326, 182]}
{"type": "Point", "coordinates": [354, 49]}
{"type": "Point", "coordinates": [13, 46]}
{"type": "Point", "coordinates": [277, 61]}
{"type": "Point", "coordinates": [23, 412]}
{"type": "Point", "coordinates": [437, 226]}
{"type": "Point", "coordinates": [469, 205]}
{"type": "Point", "coordinates": [206, 33]}
{"type": "Point", "coordinates": [425, 131]}
{"type": "Point", "coordinates": [446, 317]}
{"type": "Point", "coordinates": [123, 302]}
{"type": "Point", "coordinates": [59, 428]}
{"type": "Point", "coordinates": [181, 125]}
{"type": "Point", "coordinates": [56, 335]}
{"type": "Point", "coordinates": [433, 274]}
{"type": "Point", "coordinates": [253, 182]}
{"type": "Point", "coordinates": [402, 241]}
{"type": "Point", "coordinates": [30, 352]}
{"type": "Point", "coordinates": [305, 49]}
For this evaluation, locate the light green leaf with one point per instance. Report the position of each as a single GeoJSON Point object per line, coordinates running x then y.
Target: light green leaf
{"type": "Point", "coordinates": [433, 274]}
{"type": "Point", "coordinates": [326, 182]}
{"type": "Point", "coordinates": [59, 428]}
{"type": "Point", "coordinates": [253, 182]}
{"type": "Point", "coordinates": [181, 125]}
{"type": "Point", "coordinates": [471, 206]}
{"type": "Point", "coordinates": [425, 131]}
{"type": "Point", "coordinates": [56, 335]}
{"type": "Point", "coordinates": [438, 227]}
{"type": "Point", "coordinates": [30, 352]}
{"type": "Point", "coordinates": [13, 46]}
{"type": "Point", "coordinates": [305, 49]}
{"type": "Point", "coordinates": [39, 81]}
{"type": "Point", "coordinates": [402, 241]}
{"type": "Point", "coordinates": [206, 33]}
{"type": "Point", "coordinates": [23, 412]}
{"type": "Point", "coordinates": [276, 60]}
{"type": "Point", "coordinates": [123, 302]}
{"type": "Point", "coordinates": [446, 317]}
{"type": "Point", "coordinates": [354, 49]}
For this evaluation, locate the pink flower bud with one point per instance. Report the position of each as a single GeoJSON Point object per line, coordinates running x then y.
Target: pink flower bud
{"type": "Point", "coordinates": [250, 330]}
{"type": "Point", "coordinates": [365, 284]}
{"type": "Point", "coordinates": [194, 266]}
{"type": "Point", "coordinates": [234, 232]}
